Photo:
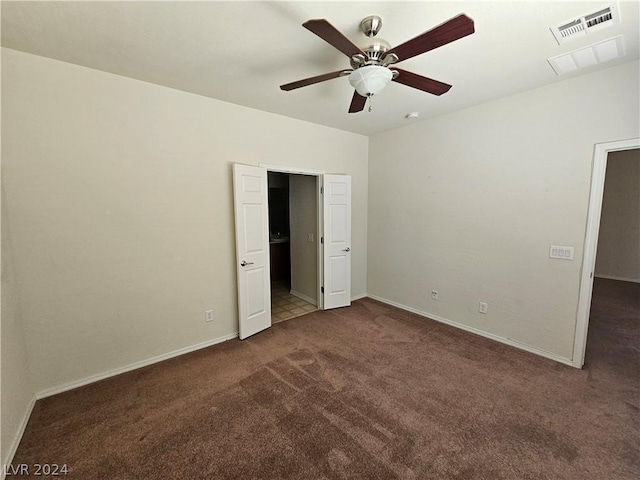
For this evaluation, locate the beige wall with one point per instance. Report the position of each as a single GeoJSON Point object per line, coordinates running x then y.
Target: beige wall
{"type": "Point", "coordinates": [469, 203]}
{"type": "Point", "coordinates": [618, 254]}
{"type": "Point", "coordinates": [120, 206]}
{"type": "Point", "coordinates": [303, 208]}
{"type": "Point", "coordinates": [17, 390]}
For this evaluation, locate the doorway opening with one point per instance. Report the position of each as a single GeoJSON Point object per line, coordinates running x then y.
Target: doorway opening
{"type": "Point", "coordinates": [593, 234]}
{"type": "Point", "coordinates": [332, 253]}
{"type": "Point", "coordinates": [614, 331]}
{"type": "Point", "coordinates": [293, 247]}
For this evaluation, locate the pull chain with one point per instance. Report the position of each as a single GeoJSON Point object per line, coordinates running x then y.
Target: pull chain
{"type": "Point", "coordinates": [370, 106]}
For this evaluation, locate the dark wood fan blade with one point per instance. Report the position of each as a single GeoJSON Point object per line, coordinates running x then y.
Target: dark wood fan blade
{"type": "Point", "coordinates": [312, 80]}
{"type": "Point", "coordinates": [357, 103]}
{"type": "Point", "coordinates": [425, 84]}
{"type": "Point", "coordinates": [332, 35]}
{"type": "Point", "coordinates": [451, 30]}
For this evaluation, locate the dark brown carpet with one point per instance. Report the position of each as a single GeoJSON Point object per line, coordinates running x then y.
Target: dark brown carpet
{"type": "Point", "coordinates": [368, 392]}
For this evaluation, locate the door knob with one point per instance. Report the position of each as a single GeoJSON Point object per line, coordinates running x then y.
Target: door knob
{"type": "Point", "coordinates": [244, 263]}
{"type": "Point", "coordinates": [346, 249]}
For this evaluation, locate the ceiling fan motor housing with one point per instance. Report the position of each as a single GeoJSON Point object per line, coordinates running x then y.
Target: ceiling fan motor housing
{"type": "Point", "coordinates": [376, 50]}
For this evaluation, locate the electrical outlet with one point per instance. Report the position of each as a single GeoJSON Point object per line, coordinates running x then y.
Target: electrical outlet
{"type": "Point", "coordinates": [434, 294]}
{"type": "Point", "coordinates": [483, 307]}
{"type": "Point", "coordinates": [310, 237]}
{"type": "Point", "coordinates": [208, 316]}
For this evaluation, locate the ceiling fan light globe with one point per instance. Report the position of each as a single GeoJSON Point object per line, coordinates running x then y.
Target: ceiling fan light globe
{"type": "Point", "coordinates": [370, 79]}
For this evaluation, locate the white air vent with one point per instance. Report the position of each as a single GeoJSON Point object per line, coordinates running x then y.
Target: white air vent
{"type": "Point", "coordinates": [578, 27]}
{"type": "Point", "coordinates": [600, 52]}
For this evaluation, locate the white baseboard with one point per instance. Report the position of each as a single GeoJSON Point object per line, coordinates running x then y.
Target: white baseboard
{"type": "Point", "coordinates": [358, 297]}
{"type": "Point", "coordinates": [621, 279]}
{"type": "Point", "coordinates": [17, 437]}
{"type": "Point", "coordinates": [304, 297]}
{"type": "Point", "coordinates": [482, 333]}
{"type": "Point", "coordinates": [134, 366]}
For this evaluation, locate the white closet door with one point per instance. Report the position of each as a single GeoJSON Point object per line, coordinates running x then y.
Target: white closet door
{"type": "Point", "coordinates": [337, 240]}
{"type": "Point", "coordinates": [252, 248]}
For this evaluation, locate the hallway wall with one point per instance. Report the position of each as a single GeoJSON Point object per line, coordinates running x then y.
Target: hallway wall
{"type": "Point", "coordinates": [618, 255]}
{"type": "Point", "coordinates": [303, 207]}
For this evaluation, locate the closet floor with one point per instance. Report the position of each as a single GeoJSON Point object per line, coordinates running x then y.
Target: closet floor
{"type": "Point", "coordinates": [285, 306]}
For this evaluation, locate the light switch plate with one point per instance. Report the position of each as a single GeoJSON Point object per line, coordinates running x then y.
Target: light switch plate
{"type": "Point", "coordinates": [563, 253]}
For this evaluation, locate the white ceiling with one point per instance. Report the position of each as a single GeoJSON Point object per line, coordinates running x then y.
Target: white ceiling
{"type": "Point", "coordinates": [241, 52]}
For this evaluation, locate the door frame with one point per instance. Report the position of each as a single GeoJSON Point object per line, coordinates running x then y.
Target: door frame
{"type": "Point", "coordinates": [601, 152]}
{"type": "Point", "coordinates": [319, 214]}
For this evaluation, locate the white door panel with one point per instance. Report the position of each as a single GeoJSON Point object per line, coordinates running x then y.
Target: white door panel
{"type": "Point", "coordinates": [339, 273]}
{"type": "Point", "coordinates": [337, 240]}
{"type": "Point", "coordinates": [253, 237]}
{"type": "Point", "coordinates": [252, 248]}
{"type": "Point", "coordinates": [256, 304]}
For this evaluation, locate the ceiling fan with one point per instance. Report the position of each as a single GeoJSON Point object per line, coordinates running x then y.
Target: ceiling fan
{"type": "Point", "coordinates": [370, 66]}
